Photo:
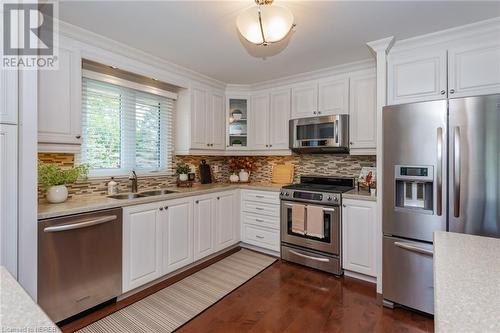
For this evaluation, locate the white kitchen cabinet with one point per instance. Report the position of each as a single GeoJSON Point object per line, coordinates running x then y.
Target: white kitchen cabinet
{"type": "Point", "coordinates": [363, 114]}
{"type": "Point", "coordinates": [474, 69]}
{"type": "Point", "coordinates": [8, 96]}
{"type": "Point", "coordinates": [217, 116]}
{"type": "Point", "coordinates": [59, 99]}
{"type": "Point", "coordinates": [259, 122]}
{"type": "Point", "coordinates": [226, 220]}
{"type": "Point", "coordinates": [305, 100]}
{"type": "Point", "coordinates": [260, 211]}
{"type": "Point", "coordinates": [359, 236]}
{"type": "Point", "coordinates": [207, 119]}
{"type": "Point", "coordinates": [416, 76]}
{"type": "Point", "coordinates": [204, 226]}
{"type": "Point", "coordinates": [199, 128]}
{"type": "Point", "coordinates": [8, 197]}
{"type": "Point", "coordinates": [333, 96]}
{"type": "Point", "coordinates": [268, 120]}
{"type": "Point", "coordinates": [177, 234]}
{"type": "Point", "coordinates": [142, 245]}
{"type": "Point", "coordinates": [279, 115]}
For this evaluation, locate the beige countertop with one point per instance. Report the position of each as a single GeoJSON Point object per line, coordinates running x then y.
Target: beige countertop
{"type": "Point", "coordinates": [359, 195]}
{"type": "Point", "coordinates": [18, 311]}
{"type": "Point", "coordinates": [82, 204]}
{"type": "Point", "coordinates": [466, 283]}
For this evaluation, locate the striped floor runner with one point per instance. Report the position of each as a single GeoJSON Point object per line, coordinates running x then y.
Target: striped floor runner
{"type": "Point", "coordinates": [173, 306]}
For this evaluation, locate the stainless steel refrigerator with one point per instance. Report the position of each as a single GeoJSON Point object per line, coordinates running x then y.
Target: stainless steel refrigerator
{"type": "Point", "coordinates": [441, 166]}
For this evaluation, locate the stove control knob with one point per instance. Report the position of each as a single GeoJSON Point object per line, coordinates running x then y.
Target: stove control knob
{"type": "Point", "coordinates": [287, 194]}
{"type": "Point", "coordinates": [329, 198]}
{"type": "Point", "coordinates": [336, 199]}
{"type": "Point", "coordinates": [282, 193]}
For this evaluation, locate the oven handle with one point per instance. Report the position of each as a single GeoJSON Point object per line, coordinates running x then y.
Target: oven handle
{"type": "Point", "coordinates": [309, 257]}
{"type": "Point", "coordinates": [324, 208]}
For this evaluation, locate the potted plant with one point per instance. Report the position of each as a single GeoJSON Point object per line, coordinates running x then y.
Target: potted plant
{"type": "Point", "coordinates": [183, 170]}
{"type": "Point", "coordinates": [54, 179]}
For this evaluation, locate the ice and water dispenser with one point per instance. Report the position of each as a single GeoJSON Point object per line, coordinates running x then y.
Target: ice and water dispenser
{"type": "Point", "coordinates": [414, 188]}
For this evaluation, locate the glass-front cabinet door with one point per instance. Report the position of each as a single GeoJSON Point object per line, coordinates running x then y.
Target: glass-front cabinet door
{"type": "Point", "coordinates": [237, 134]}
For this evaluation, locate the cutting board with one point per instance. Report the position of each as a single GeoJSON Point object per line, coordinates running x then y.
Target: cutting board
{"type": "Point", "coordinates": [283, 173]}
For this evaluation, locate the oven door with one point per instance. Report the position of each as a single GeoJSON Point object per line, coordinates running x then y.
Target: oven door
{"type": "Point", "coordinates": [319, 133]}
{"type": "Point", "coordinates": [330, 243]}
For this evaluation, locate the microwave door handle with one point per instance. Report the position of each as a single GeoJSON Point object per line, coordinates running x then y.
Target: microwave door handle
{"type": "Point", "coordinates": [336, 131]}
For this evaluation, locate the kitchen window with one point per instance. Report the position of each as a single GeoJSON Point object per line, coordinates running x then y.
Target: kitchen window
{"type": "Point", "coordinates": [125, 126]}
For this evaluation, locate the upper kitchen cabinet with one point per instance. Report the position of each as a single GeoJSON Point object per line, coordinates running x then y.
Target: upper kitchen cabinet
{"type": "Point", "coordinates": [237, 122]}
{"type": "Point", "coordinates": [305, 100]}
{"type": "Point", "coordinates": [321, 98]}
{"type": "Point", "coordinates": [416, 76]}
{"type": "Point", "coordinates": [8, 96]}
{"type": "Point", "coordinates": [468, 69]}
{"type": "Point", "coordinates": [59, 100]}
{"type": "Point", "coordinates": [268, 127]}
{"type": "Point", "coordinates": [333, 96]}
{"type": "Point", "coordinates": [207, 119]}
{"type": "Point", "coordinates": [363, 114]}
{"type": "Point", "coordinates": [474, 69]}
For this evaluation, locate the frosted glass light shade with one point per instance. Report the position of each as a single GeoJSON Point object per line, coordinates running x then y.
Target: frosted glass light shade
{"type": "Point", "coordinates": [277, 22]}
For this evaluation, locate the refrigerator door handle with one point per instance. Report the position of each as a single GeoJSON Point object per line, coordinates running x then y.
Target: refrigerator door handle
{"type": "Point", "coordinates": [456, 172]}
{"type": "Point", "coordinates": [414, 248]}
{"type": "Point", "coordinates": [439, 172]}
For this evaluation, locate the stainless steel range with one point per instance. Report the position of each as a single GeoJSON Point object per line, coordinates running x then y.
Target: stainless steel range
{"type": "Point", "coordinates": [311, 222]}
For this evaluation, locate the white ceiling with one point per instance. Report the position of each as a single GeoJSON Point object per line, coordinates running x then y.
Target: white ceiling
{"type": "Point", "coordinates": [202, 35]}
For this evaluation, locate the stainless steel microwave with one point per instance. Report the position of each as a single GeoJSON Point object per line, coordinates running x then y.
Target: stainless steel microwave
{"type": "Point", "coordinates": [325, 134]}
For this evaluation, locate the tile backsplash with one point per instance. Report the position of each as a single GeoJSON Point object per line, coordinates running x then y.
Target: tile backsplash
{"type": "Point", "coordinates": [307, 164]}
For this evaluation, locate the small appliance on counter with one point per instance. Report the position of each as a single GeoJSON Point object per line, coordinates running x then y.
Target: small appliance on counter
{"type": "Point", "coordinates": [311, 222]}
{"type": "Point", "coordinates": [205, 173]}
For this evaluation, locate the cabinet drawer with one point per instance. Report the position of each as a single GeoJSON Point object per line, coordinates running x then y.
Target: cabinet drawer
{"type": "Point", "coordinates": [261, 196]}
{"type": "Point", "coordinates": [261, 208]}
{"type": "Point", "coordinates": [261, 220]}
{"type": "Point", "coordinates": [265, 238]}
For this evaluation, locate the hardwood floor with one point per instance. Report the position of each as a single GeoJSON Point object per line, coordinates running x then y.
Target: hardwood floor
{"type": "Point", "coordinates": [289, 298]}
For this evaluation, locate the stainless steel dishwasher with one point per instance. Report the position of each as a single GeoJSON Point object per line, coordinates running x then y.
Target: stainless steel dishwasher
{"type": "Point", "coordinates": [79, 262]}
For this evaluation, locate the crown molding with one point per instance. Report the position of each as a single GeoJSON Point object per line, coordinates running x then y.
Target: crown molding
{"type": "Point", "coordinates": [381, 45]}
{"type": "Point", "coordinates": [110, 45]}
{"type": "Point", "coordinates": [481, 28]}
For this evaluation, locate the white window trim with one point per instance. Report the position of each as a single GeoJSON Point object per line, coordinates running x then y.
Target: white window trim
{"type": "Point", "coordinates": [128, 84]}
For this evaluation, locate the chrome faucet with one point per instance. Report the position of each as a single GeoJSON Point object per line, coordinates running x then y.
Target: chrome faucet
{"type": "Point", "coordinates": [133, 178]}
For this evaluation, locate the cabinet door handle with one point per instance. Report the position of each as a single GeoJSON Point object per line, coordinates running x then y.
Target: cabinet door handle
{"type": "Point", "coordinates": [218, 198]}
{"type": "Point", "coordinates": [166, 207]}
{"type": "Point", "coordinates": [270, 145]}
{"type": "Point", "coordinates": [452, 91]}
{"type": "Point", "coordinates": [259, 196]}
{"type": "Point", "coordinates": [267, 145]}
{"type": "Point", "coordinates": [259, 208]}
{"type": "Point", "coordinates": [443, 92]}
{"type": "Point", "coordinates": [259, 220]}
{"type": "Point", "coordinates": [319, 112]}
{"type": "Point", "coordinates": [314, 112]}
{"type": "Point", "coordinates": [259, 237]}
{"type": "Point", "coordinates": [78, 136]}
{"type": "Point", "coordinates": [197, 202]}
{"type": "Point", "coordinates": [161, 208]}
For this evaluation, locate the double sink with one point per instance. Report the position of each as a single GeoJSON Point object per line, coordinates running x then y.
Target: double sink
{"type": "Point", "coordinates": [152, 193]}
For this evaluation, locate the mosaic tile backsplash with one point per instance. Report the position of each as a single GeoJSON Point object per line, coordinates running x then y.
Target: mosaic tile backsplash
{"type": "Point", "coordinates": [308, 164]}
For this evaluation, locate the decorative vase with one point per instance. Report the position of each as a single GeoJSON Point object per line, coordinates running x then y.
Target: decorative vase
{"type": "Point", "coordinates": [57, 194]}
{"type": "Point", "coordinates": [183, 177]}
{"type": "Point", "coordinates": [244, 175]}
{"type": "Point", "coordinates": [234, 178]}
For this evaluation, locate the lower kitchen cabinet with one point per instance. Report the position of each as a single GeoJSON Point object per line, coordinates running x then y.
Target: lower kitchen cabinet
{"type": "Point", "coordinates": [358, 236]}
{"type": "Point", "coordinates": [177, 234]}
{"type": "Point", "coordinates": [226, 220]}
{"type": "Point", "coordinates": [142, 245]}
{"type": "Point", "coordinates": [204, 226]}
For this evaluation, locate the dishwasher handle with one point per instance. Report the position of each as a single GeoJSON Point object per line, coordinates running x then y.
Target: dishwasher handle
{"type": "Point", "coordinates": [81, 224]}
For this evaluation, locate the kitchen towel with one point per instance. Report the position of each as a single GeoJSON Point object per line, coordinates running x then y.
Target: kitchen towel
{"type": "Point", "coordinates": [298, 218]}
{"type": "Point", "coordinates": [315, 224]}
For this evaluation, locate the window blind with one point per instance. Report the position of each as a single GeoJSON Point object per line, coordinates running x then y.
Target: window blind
{"type": "Point", "coordinates": [125, 129]}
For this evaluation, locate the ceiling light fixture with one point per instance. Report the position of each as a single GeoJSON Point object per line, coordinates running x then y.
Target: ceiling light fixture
{"type": "Point", "coordinates": [265, 24]}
